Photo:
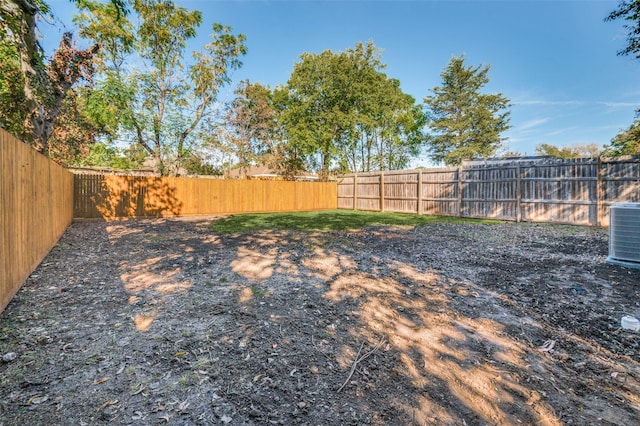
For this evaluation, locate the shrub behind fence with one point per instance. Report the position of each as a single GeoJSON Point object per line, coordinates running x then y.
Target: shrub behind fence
{"type": "Point", "coordinates": [36, 206]}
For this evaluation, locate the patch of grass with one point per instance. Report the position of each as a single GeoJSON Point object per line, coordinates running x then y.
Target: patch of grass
{"type": "Point", "coordinates": [327, 220]}
{"type": "Point", "coordinates": [188, 379]}
{"type": "Point", "coordinates": [259, 293]}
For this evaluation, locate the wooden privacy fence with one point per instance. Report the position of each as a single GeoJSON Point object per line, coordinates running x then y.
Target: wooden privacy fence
{"type": "Point", "coordinates": [35, 208]}
{"type": "Point", "coordinates": [575, 191]}
{"type": "Point", "coordinates": [112, 197]}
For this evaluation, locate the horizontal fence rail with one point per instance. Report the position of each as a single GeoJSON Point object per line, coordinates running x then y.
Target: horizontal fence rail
{"type": "Point", "coordinates": [35, 209]}
{"type": "Point", "coordinates": [575, 191]}
{"type": "Point", "coordinates": [113, 197]}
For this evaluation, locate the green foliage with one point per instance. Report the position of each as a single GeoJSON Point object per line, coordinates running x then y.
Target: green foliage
{"type": "Point", "coordinates": [194, 165]}
{"type": "Point", "coordinates": [250, 134]}
{"type": "Point", "coordinates": [465, 123]}
{"type": "Point", "coordinates": [626, 142]}
{"type": "Point", "coordinates": [103, 154]}
{"type": "Point", "coordinates": [328, 220]}
{"type": "Point", "coordinates": [44, 85]}
{"type": "Point", "coordinates": [342, 112]}
{"type": "Point", "coordinates": [629, 12]}
{"type": "Point", "coordinates": [13, 108]}
{"type": "Point", "coordinates": [574, 151]}
{"type": "Point", "coordinates": [74, 132]}
{"type": "Point", "coordinates": [159, 103]}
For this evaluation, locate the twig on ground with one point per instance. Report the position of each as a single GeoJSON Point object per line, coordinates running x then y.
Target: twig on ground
{"type": "Point", "coordinates": [359, 359]}
{"type": "Point", "coordinates": [353, 367]}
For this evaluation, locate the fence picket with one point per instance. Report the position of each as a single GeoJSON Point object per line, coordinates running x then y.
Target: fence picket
{"type": "Point", "coordinates": [116, 196]}
{"type": "Point", "coordinates": [35, 209]}
{"type": "Point", "coordinates": [576, 191]}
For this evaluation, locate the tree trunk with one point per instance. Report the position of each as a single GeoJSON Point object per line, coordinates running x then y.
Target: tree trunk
{"type": "Point", "coordinates": [44, 87]}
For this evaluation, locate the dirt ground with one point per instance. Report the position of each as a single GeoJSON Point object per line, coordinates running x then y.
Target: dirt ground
{"type": "Point", "coordinates": [166, 322]}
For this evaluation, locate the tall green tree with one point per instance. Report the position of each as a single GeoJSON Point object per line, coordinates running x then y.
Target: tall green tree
{"type": "Point", "coordinates": [315, 116]}
{"type": "Point", "coordinates": [465, 123]}
{"type": "Point", "coordinates": [343, 113]}
{"type": "Point", "coordinates": [161, 97]}
{"type": "Point", "coordinates": [387, 129]}
{"type": "Point", "coordinates": [626, 142]}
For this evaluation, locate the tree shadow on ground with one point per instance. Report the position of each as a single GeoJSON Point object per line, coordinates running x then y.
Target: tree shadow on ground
{"type": "Point", "coordinates": [164, 321]}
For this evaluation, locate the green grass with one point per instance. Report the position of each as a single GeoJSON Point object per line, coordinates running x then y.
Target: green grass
{"type": "Point", "coordinates": [327, 220]}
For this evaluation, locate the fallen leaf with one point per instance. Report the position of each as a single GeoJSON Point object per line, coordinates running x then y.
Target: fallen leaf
{"type": "Point", "coordinates": [107, 404]}
{"type": "Point", "coordinates": [101, 380]}
{"type": "Point", "coordinates": [141, 387]}
{"type": "Point", "coordinates": [547, 346]}
{"type": "Point", "coordinates": [183, 405]}
{"type": "Point", "coordinates": [38, 399]}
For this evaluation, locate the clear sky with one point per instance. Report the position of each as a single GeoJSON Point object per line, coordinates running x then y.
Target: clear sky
{"type": "Point", "coordinates": [555, 60]}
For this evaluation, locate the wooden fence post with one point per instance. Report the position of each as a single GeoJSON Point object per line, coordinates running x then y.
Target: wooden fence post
{"type": "Point", "coordinates": [460, 188]}
{"type": "Point", "coordinates": [355, 191]}
{"type": "Point", "coordinates": [600, 193]}
{"type": "Point", "coordinates": [420, 209]}
{"type": "Point", "coordinates": [381, 191]}
{"type": "Point", "coordinates": [518, 192]}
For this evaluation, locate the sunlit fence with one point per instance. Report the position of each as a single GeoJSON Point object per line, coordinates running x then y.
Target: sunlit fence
{"type": "Point", "coordinates": [38, 198]}
{"type": "Point", "coordinates": [575, 191]}
{"type": "Point", "coordinates": [112, 197]}
{"type": "Point", "coordinates": [36, 206]}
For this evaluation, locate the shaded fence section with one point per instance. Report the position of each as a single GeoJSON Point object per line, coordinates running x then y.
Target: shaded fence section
{"type": "Point", "coordinates": [112, 197]}
{"type": "Point", "coordinates": [35, 209]}
{"type": "Point", "coordinates": [575, 191]}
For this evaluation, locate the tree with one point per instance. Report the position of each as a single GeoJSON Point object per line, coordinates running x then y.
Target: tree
{"type": "Point", "coordinates": [44, 86]}
{"type": "Point", "coordinates": [13, 104]}
{"type": "Point", "coordinates": [342, 113]}
{"type": "Point", "coordinates": [465, 123]}
{"type": "Point", "coordinates": [629, 11]}
{"type": "Point", "coordinates": [74, 132]}
{"type": "Point", "coordinates": [626, 142]}
{"type": "Point", "coordinates": [161, 103]}
{"type": "Point", "coordinates": [390, 129]}
{"type": "Point", "coordinates": [251, 125]}
{"type": "Point", "coordinates": [314, 114]}
{"type": "Point", "coordinates": [575, 151]}
{"type": "Point", "coordinates": [104, 154]}
{"type": "Point", "coordinates": [387, 124]}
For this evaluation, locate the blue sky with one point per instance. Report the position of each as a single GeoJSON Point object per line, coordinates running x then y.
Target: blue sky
{"type": "Point", "coordinates": [555, 60]}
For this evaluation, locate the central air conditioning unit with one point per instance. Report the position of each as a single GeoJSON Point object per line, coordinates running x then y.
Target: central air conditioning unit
{"type": "Point", "coordinates": [624, 235]}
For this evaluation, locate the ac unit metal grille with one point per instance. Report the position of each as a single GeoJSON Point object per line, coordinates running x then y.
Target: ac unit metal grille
{"type": "Point", "coordinates": [624, 235]}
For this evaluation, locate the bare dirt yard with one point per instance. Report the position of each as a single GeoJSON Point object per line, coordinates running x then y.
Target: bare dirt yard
{"type": "Point", "coordinates": [166, 322]}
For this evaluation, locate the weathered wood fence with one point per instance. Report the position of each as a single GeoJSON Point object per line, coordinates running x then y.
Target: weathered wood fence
{"type": "Point", "coordinates": [112, 197]}
{"type": "Point", "coordinates": [36, 207]}
{"type": "Point", "coordinates": [575, 191]}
